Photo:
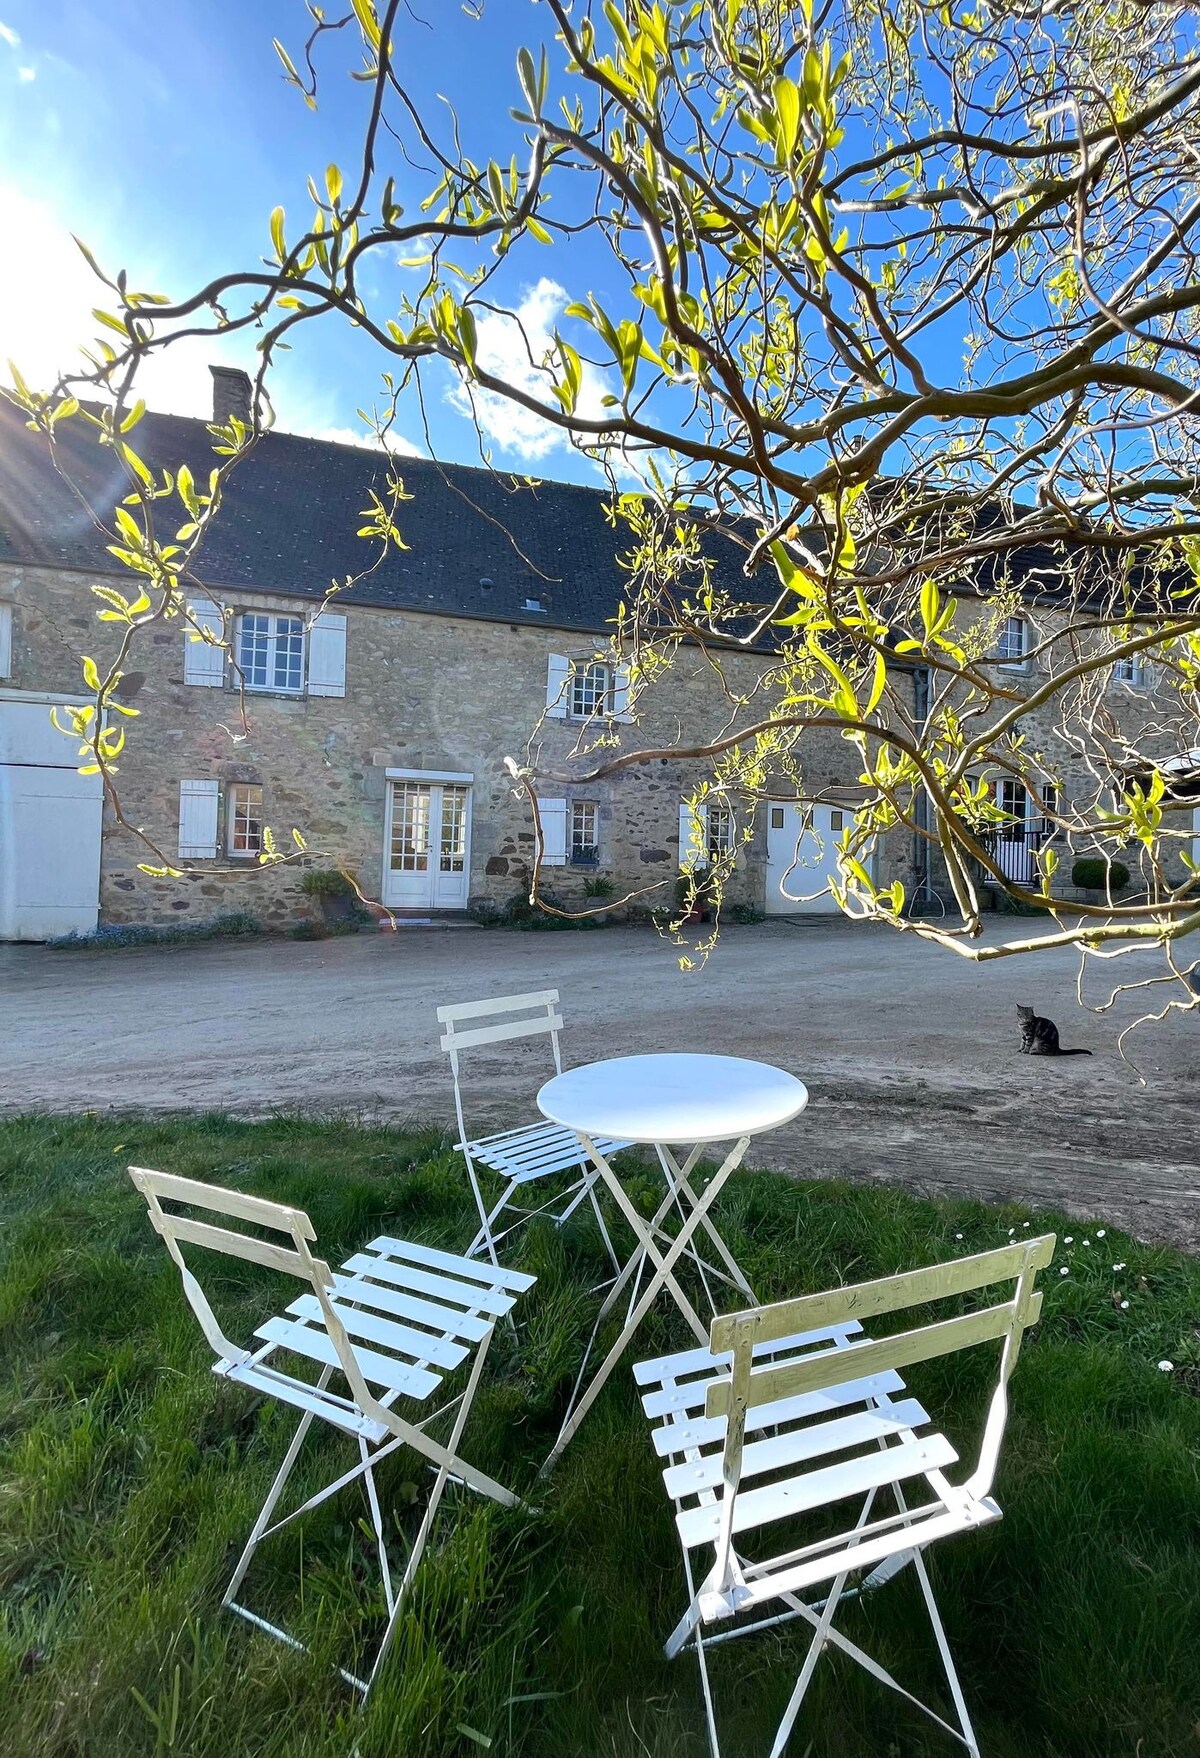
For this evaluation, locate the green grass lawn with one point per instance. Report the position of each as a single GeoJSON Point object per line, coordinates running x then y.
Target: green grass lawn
{"type": "Point", "coordinates": [129, 1477]}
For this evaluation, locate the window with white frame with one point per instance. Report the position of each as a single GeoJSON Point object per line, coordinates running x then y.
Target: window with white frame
{"type": "Point", "coordinates": [1049, 825]}
{"type": "Point", "coordinates": [243, 820]}
{"type": "Point", "coordinates": [720, 831]}
{"type": "Point", "coordinates": [591, 689]}
{"type": "Point", "coordinates": [585, 833]}
{"type": "Point", "coordinates": [270, 651]}
{"type": "Point", "coordinates": [1130, 669]}
{"type": "Point", "coordinates": [707, 833]}
{"type": "Point", "coordinates": [1014, 644]}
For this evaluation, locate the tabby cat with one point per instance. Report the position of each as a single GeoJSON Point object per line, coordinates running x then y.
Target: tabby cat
{"type": "Point", "coordinates": [1039, 1037]}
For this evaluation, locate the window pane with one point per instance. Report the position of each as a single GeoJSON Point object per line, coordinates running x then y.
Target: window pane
{"type": "Point", "coordinates": [1012, 639]}
{"type": "Point", "coordinates": [1013, 801]}
{"type": "Point", "coordinates": [454, 829]}
{"type": "Point", "coordinates": [289, 653]}
{"type": "Point", "coordinates": [245, 819]}
{"type": "Point", "coordinates": [252, 651]}
{"type": "Point", "coordinates": [583, 828]}
{"type": "Point", "coordinates": [589, 690]}
{"type": "Point", "coordinates": [410, 828]}
{"type": "Point", "coordinates": [720, 831]}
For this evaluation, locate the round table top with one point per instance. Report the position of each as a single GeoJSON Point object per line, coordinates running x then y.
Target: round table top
{"type": "Point", "coordinates": [674, 1098]}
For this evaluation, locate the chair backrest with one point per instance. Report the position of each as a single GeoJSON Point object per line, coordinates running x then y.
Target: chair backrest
{"type": "Point", "coordinates": [166, 1194]}
{"type": "Point", "coordinates": [498, 1021]}
{"type": "Point", "coordinates": [814, 1370]}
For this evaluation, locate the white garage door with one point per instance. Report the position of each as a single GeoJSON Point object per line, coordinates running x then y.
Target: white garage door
{"type": "Point", "coordinates": [801, 858]}
{"type": "Point", "coordinates": [49, 827]}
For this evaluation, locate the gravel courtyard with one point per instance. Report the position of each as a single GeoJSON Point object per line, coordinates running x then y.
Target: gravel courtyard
{"type": "Point", "coordinates": [910, 1054]}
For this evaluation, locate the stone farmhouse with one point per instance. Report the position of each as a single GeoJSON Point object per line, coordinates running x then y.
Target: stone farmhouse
{"type": "Point", "coordinates": [378, 726]}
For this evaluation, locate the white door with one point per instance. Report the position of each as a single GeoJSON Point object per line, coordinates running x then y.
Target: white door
{"type": "Point", "coordinates": [1017, 841]}
{"type": "Point", "coordinates": [802, 858]}
{"type": "Point", "coordinates": [50, 818]}
{"type": "Point", "coordinates": [427, 863]}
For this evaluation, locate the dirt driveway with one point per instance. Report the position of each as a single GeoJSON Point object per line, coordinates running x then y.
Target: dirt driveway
{"type": "Point", "coordinates": [910, 1054]}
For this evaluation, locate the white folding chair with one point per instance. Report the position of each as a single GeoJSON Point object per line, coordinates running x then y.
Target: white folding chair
{"type": "Point", "coordinates": [393, 1322]}
{"type": "Point", "coordinates": [791, 1411]}
{"type": "Point", "coordinates": [521, 1156]}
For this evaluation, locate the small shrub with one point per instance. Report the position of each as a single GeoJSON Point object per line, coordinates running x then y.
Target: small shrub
{"type": "Point", "coordinates": [600, 887]}
{"type": "Point", "coordinates": [235, 925]}
{"type": "Point", "coordinates": [1090, 873]}
{"type": "Point", "coordinates": [309, 931]}
{"type": "Point", "coordinates": [518, 912]}
{"type": "Point", "coordinates": [745, 914]}
{"type": "Point", "coordinates": [353, 922]}
{"type": "Point", "coordinates": [486, 913]}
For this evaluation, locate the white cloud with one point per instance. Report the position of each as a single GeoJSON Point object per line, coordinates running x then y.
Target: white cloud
{"type": "Point", "coordinates": [26, 74]}
{"type": "Point", "coordinates": [9, 35]}
{"type": "Point", "coordinates": [357, 436]}
{"type": "Point", "coordinates": [512, 347]}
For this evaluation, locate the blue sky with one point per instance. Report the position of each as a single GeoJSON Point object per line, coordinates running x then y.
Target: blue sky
{"type": "Point", "coordinates": [164, 134]}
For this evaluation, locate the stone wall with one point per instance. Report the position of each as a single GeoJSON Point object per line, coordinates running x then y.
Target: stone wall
{"type": "Point", "coordinates": [423, 692]}
{"type": "Point", "coordinates": [1127, 708]}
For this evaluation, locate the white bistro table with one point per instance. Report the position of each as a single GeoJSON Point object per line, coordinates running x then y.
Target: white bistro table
{"type": "Point", "coordinates": [679, 1105]}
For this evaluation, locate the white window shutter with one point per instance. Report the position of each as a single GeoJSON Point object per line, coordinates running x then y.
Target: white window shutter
{"type": "Point", "coordinates": [621, 693]}
{"type": "Point", "coordinates": [5, 640]}
{"type": "Point", "coordinates": [327, 655]}
{"type": "Point", "coordinates": [203, 663]}
{"type": "Point", "coordinates": [558, 678]}
{"type": "Point", "coordinates": [199, 802]}
{"type": "Point", "coordinates": [553, 814]}
{"type": "Point", "coordinates": [693, 836]}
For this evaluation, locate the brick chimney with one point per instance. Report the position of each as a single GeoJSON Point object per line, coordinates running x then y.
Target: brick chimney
{"type": "Point", "coordinates": [231, 394]}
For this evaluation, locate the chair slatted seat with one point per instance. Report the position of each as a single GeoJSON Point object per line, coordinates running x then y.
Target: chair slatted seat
{"type": "Point", "coordinates": [529, 1152]}
{"type": "Point", "coordinates": [384, 1332]}
{"type": "Point", "coordinates": [793, 1411]}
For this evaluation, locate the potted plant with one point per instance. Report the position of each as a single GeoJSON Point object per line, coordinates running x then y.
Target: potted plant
{"type": "Point", "coordinates": [585, 855]}
{"type": "Point", "coordinates": [598, 888]}
{"type": "Point", "coordinates": [333, 892]}
{"type": "Point", "coordinates": [692, 899]}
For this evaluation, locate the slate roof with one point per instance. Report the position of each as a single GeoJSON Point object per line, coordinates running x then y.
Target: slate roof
{"type": "Point", "coordinates": [293, 506]}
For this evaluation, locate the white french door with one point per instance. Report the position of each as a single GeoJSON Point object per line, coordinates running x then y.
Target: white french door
{"type": "Point", "coordinates": [1018, 840]}
{"type": "Point", "coordinates": [427, 851]}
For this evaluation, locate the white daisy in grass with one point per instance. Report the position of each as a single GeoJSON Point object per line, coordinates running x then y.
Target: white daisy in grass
{"type": "Point", "coordinates": [1100, 1232]}
{"type": "Point", "coordinates": [1124, 1306]}
{"type": "Point", "coordinates": [1064, 1271]}
{"type": "Point", "coordinates": [1166, 1367]}
{"type": "Point", "coordinates": [1117, 1267]}
{"type": "Point", "coordinates": [1069, 1240]}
